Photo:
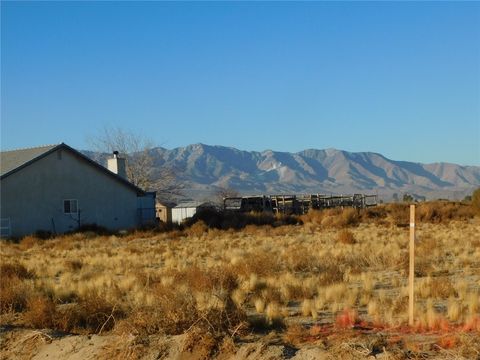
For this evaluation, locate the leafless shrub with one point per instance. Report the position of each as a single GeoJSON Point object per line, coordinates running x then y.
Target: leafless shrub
{"type": "Point", "coordinates": [97, 313]}
{"type": "Point", "coordinates": [68, 318]}
{"type": "Point", "coordinates": [40, 312]}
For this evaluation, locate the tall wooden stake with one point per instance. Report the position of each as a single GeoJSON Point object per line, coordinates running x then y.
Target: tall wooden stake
{"type": "Point", "coordinates": [411, 276]}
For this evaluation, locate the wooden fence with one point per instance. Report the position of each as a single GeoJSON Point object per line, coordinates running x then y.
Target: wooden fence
{"type": "Point", "coordinates": [297, 204]}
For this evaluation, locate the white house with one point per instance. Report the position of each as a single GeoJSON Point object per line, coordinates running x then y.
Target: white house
{"type": "Point", "coordinates": [56, 188]}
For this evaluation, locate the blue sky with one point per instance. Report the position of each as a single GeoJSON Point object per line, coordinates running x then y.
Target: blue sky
{"type": "Point", "coordinates": [402, 79]}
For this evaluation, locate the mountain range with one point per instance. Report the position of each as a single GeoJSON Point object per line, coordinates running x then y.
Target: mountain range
{"type": "Point", "coordinates": [204, 169]}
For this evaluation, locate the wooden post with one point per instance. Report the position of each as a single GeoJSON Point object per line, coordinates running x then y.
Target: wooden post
{"type": "Point", "coordinates": [411, 276]}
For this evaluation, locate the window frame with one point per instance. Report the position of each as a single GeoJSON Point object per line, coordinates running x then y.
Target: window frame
{"type": "Point", "coordinates": [70, 202]}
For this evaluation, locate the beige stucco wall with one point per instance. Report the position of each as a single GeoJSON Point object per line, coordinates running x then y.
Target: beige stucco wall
{"type": "Point", "coordinates": [33, 197]}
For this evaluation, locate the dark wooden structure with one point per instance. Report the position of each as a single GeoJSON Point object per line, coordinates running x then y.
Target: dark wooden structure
{"type": "Point", "coordinates": [297, 204]}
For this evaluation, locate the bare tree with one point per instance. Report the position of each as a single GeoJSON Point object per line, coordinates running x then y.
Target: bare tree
{"type": "Point", "coordinates": [167, 183]}
{"type": "Point", "coordinates": [140, 167]}
{"type": "Point", "coordinates": [224, 192]}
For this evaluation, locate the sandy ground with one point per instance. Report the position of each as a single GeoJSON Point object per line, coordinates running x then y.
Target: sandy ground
{"type": "Point", "coordinates": [20, 343]}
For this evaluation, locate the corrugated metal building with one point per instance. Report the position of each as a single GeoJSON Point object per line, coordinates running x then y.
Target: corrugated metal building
{"type": "Point", "coordinates": [187, 209]}
{"type": "Point", "coordinates": [184, 210]}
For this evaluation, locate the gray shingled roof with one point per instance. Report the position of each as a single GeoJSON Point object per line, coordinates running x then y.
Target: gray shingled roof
{"type": "Point", "coordinates": [10, 160]}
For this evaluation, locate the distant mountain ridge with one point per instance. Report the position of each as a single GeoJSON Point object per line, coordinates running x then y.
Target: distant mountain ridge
{"type": "Point", "coordinates": [205, 168]}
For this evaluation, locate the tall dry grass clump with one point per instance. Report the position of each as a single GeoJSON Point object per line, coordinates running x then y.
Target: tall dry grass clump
{"type": "Point", "coordinates": [346, 237]}
{"type": "Point", "coordinates": [14, 290]}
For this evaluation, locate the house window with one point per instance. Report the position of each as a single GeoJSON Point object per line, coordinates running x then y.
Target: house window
{"type": "Point", "coordinates": [70, 206]}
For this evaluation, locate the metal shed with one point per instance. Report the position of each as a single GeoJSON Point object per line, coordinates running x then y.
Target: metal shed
{"type": "Point", "coordinates": [185, 210]}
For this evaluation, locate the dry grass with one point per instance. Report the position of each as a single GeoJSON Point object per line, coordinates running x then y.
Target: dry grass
{"type": "Point", "coordinates": [40, 312]}
{"type": "Point", "coordinates": [339, 268]}
{"type": "Point", "coordinates": [346, 237]}
{"type": "Point", "coordinates": [14, 290]}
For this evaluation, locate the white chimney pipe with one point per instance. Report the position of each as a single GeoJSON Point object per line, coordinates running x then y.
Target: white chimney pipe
{"type": "Point", "coordinates": [117, 165]}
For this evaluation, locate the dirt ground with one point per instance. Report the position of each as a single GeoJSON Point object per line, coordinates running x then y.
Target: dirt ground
{"type": "Point", "coordinates": [326, 343]}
